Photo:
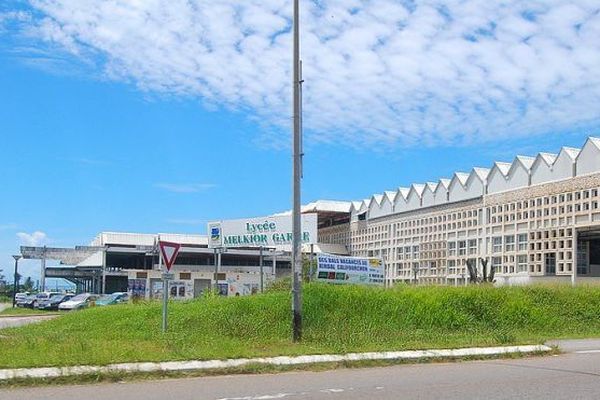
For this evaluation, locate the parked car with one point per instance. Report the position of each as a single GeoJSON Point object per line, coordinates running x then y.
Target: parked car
{"type": "Point", "coordinates": [82, 300]}
{"type": "Point", "coordinates": [27, 301]}
{"type": "Point", "coordinates": [110, 299]}
{"type": "Point", "coordinates": [53, 302]}
{"type": "Point", "coordinates": [33, 300]}
{"type": "Point", "coordinates": [21, 296]}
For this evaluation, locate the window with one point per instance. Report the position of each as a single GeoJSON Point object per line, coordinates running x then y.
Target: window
{"type": "Point", "coordinates": [473, 246]}
{"type": "Point", "coordinates": [497, 244]}
{"type": "Point", "coordinates": [550, 261]}
{"type": "Point", "coordinates": [462, 248]}
{"type": "Point", "coordinates": [497, 264]}
{"type": "Point", "coordinates": [509, 243]}
{"type": "Point", "coordinates": [452, 249]}
{"type": "Point", "coordinates": [522, 263]}
{"type": "Point", "coordinates": [522, 241]}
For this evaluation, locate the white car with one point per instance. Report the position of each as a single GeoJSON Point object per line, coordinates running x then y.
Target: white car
{"type": "Point", "coordinates": [80, 301]}
{"type": "Point", "coordinates": [21, 296]}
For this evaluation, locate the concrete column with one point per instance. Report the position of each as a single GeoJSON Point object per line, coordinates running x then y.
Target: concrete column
{"type": "Point", "coordinates": [43, 272]}
{"type": "Point", "coordinates": [104, 271]}
{"type": "Point", "coordinates": [575, 261]}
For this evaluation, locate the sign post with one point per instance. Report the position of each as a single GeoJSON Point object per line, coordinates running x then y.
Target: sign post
{"type": "Point", "coordinates": [168, 252]}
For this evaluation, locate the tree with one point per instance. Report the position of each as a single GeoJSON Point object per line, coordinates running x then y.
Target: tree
{"type": "Point", "coordinates": [473, 272]}
{"type": "Point", "coordinates": [28, 284]}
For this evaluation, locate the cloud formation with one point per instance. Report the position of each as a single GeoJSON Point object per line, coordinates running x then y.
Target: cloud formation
{"type": "Point", "coordinates": [185, 187]}
{"type": "Point", "coordinates": [377, 72]}
{"type": "Point", "coordinates": [36, 238]}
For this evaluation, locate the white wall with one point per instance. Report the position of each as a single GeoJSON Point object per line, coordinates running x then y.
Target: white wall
{"type": "Point", "coordinates": [400, 204]}
{"type": "Point", "coordinates": [588, 160]}
{"type": "Point", "coordinates": [413, 201]}
{"type": "Point", "coordinates": [518, 177]}
{"type": "Point", "coordinates": [541, 172]}
{"type": "Point", "coordinates": [428, 198]}
{"type": "Point", "coordinates": [441, 195]}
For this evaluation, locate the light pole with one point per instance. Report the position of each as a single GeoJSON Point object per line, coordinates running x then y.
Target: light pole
{"type": "Point", "coordinates": [296, 176]}
{"type": "Point", "coordinates": [15, 284]}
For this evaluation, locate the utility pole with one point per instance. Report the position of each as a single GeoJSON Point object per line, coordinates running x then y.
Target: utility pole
{"type": "Point", "coordinates": [16, 282]}
{"type": "Point", "coordinates": [297, 173]}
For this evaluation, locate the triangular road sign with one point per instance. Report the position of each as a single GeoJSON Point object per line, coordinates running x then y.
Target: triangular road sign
{"type": "Point", "coordinates": [169, 252]}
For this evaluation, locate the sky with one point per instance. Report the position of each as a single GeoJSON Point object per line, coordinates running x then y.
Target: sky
{"type": "Point", "coordinates": [160, 115]}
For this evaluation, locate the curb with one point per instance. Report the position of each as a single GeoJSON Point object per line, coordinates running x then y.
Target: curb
{"type": "Point", "coordinates": [54, 372]}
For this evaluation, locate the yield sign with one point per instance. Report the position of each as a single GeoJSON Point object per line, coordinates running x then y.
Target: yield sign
{"type": "Point", "coordinates": [169, 252]}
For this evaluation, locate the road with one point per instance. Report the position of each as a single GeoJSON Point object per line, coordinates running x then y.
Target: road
{"type": "Point", "coordinates": [20, 320]}
{"type": "Point", "coordinates": [572, 376]}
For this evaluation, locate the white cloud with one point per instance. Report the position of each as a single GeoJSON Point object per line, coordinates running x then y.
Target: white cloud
{"type": "Point", "coordinates": [377, 72]}
{"type": "Point", "coordinates": [185, 187]}
{"type": "Point", "coordinates": [36, 238]}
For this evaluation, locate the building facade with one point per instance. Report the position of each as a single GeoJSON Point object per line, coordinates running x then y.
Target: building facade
{"type": "Point", "coordinates": [535, 219]}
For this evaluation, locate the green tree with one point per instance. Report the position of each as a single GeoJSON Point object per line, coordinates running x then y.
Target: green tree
{"type": "Point", "coordinates": [28, 285]}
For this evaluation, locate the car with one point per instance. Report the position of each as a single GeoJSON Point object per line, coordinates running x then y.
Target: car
{"type": "Point", "coordinates": [82, 300]}
{"type": "Point", "coordinates": [114, 298]}
{"type": "Point", "coordinates": [27, 301]}
{"type": "Point", "coordinates": [32, 300]}
{"type": "Point", "coordinates": [21, 296]}
{"type": "Point", "coordinates": [53, 302]}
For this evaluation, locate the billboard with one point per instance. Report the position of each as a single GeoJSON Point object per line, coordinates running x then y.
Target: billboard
{"type": "Point", "coordinates": [275, 231]}
{"type": "Point", "coordinates": [350, 270]}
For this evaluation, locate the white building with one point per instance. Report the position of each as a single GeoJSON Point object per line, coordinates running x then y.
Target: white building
{"type": "Point", "coordinates": [533, 219]}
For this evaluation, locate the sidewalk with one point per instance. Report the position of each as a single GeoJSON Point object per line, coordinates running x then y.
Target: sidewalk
{"type": "Point", "coordinates": [173, 366]}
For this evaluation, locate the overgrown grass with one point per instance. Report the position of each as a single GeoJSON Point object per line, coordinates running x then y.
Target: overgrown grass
{"type": "Point", "coordinates": [336, 319]}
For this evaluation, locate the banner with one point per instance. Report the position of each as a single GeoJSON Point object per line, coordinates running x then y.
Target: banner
{"type": "Point", "coordinates": [275, 232]}
{"type": "Point", "coordinates": [350, 270]}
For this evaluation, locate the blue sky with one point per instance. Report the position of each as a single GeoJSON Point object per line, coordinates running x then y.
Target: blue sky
{"type": "Point", "coordinates": [111, 121]}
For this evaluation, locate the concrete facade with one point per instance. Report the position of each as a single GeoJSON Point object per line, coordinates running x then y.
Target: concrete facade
{"type": "Point", "coordinates": [535, 219]}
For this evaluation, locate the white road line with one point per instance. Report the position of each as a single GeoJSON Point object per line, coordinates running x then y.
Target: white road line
{"type": "Point", "coordinates": [587, 351]}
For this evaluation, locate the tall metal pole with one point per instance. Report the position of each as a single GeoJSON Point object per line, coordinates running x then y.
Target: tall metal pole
{"type": "Point", "coordinates": [16, 282]}
{"type": "Point", "coordinates": [296, 229]}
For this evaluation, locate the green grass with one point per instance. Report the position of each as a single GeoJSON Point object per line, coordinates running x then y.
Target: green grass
{"type": "Point", "coordinates": [24, 311]}
{"type": "Point", "coordinates": [336, 320]}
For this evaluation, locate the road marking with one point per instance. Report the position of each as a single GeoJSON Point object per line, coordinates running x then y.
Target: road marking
{"type": "Point", "coordinates": [331, 390]}
{"type": "Point", "coordinates": [587, 351]}
{"type": "Point", "coordinates": [262, 397]}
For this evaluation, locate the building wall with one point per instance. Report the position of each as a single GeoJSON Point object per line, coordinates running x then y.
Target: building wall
{"type": "Point", "coordinates": [588, 161]}
{"type": "Point", "coordinates": [512, 230]}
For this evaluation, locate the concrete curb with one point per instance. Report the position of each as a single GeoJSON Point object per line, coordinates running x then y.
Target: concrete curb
{"type": "Point", "coordinates": [53, 372]}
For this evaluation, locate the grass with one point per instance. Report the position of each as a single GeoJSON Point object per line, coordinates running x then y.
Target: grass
{"type": "Point", "coordinates": [336, 320]}
{"type": "Point", "coordinates": [24, 311]}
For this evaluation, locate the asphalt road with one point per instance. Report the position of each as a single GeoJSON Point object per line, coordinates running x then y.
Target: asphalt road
{"type": "Point", "coordinates": [571, 376]}
{"type": "Point", "coordinates": [20, 320]}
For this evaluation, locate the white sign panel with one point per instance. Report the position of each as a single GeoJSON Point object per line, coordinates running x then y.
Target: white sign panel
{"type": "Point", "coordinates": [350, 270]}
{"type": "Point", "coordinates": [265, 231]}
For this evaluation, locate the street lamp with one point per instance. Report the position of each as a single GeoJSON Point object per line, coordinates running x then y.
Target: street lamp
{"type": "Point", "coordinates": [15, 285]}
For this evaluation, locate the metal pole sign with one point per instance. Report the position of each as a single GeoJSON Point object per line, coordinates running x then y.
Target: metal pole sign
{"type": "Point", "coordinates": [168, 253]}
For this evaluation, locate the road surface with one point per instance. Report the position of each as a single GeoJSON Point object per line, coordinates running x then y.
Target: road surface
{"type": "Point", "coordinates": [20, 320]}
{"type": "Point", "coordinates": [571, 376]}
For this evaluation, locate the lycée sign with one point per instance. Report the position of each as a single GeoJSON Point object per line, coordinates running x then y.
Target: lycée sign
{"type": "Point", "coordinates": [273, 231]}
